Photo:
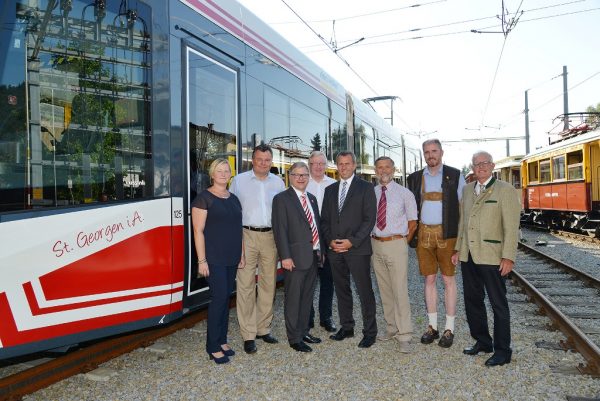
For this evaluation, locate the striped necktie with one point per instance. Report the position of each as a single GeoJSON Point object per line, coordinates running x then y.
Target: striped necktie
{"type": "Point", "coordinates": [313, 227]}
{"type": "Point", "coordinates": [382, 209]}
{"type": "Point", "coordinates": [342, 196]}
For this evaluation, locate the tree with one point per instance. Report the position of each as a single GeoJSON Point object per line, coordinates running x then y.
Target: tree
{"type": "Point", "coordinates": [593, 120]}
{"type": "Point", "coordinates": [315, 142]}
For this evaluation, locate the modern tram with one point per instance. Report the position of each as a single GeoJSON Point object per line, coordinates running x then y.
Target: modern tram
{"type": "Point", "coordinates": [112, 111]}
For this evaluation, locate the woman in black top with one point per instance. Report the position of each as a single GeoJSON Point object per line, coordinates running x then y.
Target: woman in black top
{"type": "Point", "coordinates": [217, 221]}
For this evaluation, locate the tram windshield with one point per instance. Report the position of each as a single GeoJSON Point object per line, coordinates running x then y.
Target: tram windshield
{"type": "Point", "coordinates": [75, 125]}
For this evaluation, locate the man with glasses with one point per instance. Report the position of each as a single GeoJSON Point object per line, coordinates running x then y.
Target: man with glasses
{"type": "Point", "coordinates": [255, 190]}
{"type": "Point", "coordinates": [487, 247]}
{"type": "Point", "coordinates": [437, 190]}
{"type": "Point", "coordinates": [317, 164]}
{"type": "Point", "coordinates": [296, 222]}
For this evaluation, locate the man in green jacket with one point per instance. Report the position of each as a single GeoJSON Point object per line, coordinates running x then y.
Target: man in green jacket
{"type": "Point", "coordinates": [487, 246]}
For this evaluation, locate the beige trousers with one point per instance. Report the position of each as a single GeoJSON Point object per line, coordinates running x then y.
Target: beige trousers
{"type": "Point", "coordinates": [255, 302]}
{"type": "Point", "coordinates": [390, 262]}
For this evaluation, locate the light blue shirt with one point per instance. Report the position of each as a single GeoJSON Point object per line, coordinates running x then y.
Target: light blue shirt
{"type": "Point", "coordinates": [431, 211]}
{"type": "Point", "coordinates": [256, 197]}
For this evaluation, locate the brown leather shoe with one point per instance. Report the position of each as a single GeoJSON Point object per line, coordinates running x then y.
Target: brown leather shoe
{"type": "Point", "coordinates": [429, 335]}
{"type": "Point", "coordinates": [447, 339]}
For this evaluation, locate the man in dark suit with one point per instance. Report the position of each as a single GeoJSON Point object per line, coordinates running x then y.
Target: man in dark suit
{"type": "Point", "coordinates": [347, 219]}
{"type": "Point", "coordinates": [295, 218]}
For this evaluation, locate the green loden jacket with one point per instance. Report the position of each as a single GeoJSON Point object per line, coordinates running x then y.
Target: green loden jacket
{"type": "Point", "coordinates": [489, 223]}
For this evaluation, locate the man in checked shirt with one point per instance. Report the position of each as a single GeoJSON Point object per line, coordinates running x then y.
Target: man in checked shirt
{"type": "Point", "coordinates": [396, 224]}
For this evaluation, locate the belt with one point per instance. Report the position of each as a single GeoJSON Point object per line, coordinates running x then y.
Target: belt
{"type": "Point", "coordinates": [259, 229]}
{"type": "Point", "coordinates": [431, 225]}
{"type": "Point", "coordinates": [390, 238]}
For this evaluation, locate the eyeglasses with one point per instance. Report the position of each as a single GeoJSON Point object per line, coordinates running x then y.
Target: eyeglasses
{"type": "Point", "coordinates": [317, 164]}
{"type": "Point", "coordinates": [482, 164]}
{"type": "Point", "coordinates": [300, 175]}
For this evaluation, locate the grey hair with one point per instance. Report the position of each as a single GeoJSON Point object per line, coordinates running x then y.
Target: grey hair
{"type": "Point", "coordinates": [381, 158]}
{"type": "Point", "coordinates": [297, 165]}
{"type": "Point", "coordinates": [482, 153]}
{"type": "Point", "coordinates": [317, 153]}
{"type": "Point", "coordinates": [434, 141]}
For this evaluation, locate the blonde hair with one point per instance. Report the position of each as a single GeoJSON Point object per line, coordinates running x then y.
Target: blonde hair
{"type": "Point", "coordinates": [213, 166]}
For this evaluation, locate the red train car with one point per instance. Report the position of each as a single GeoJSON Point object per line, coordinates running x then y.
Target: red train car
{"type": "Point", "coordinates": [561, 184]}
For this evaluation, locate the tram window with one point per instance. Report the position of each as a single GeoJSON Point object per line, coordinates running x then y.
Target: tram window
{"type": "Point", "coordinates": [82, 134]}
{"type": "Point", "coordinates": [339, 131]}
{"type": "Point", "coordinates": [558, 168]}
{"type": "Point", "coordinates": [364, 144]}
{"type": "Point", "coordinates": [212, 115]}
{"type": "Point", "coordinates": [575, 165]}
{"type": "Point", "coordinates": [532, 170]}
{"type": "Point", "coordinates": [545, 170]}
{"type": "Point", "coordinates": [309, 126]}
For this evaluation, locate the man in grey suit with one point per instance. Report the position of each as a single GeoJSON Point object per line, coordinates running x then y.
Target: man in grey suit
{"type": "Point", "coordinates": [348, 217]}
{"type": "Point", "coordinates": [295, 218]}
{"type": "Point", "coordinates": [487, 246]}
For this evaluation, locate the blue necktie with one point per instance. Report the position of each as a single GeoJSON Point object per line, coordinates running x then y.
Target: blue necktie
{"type": "Point", "coordinates": [342, 196]}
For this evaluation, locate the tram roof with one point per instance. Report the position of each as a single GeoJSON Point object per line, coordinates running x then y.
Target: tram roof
{"type": "Point", "coordinates": [576, 140]}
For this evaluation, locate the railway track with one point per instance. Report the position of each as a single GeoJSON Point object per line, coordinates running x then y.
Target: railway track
{"type": "Point", "coordinates": [86, 359]}
{"type": "Point", "coordinates": [569, 297]}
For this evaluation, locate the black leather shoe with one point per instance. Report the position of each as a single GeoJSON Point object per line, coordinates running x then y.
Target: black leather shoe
{"type": "Point", "coordinates": [367, 341]}
{"type": "Point", "coordinates": [498, 360]}
{"type": "Point", "coordinates": [219, 361]}
{"type": "Point", "coordinates": [249, 347]}
{"type": "Point", "coordinates": [301, 347]}
{"type": "Point", "coordinates": [228, 352]}
{"type": "Point", "coordinates": [446, 339]}
{"type": "Point", "coordinates": [268, 338]}
{"type": "Point", "coordinates": [430, 335]}
{"type": "Point", "coordinates": [341, 334]}
{"type": "Point", "coordinates": [476, 349]}
{"type": "Point", "coordinates": [311, 339]}
{"type": "Point", "coordinates": [328, 325]}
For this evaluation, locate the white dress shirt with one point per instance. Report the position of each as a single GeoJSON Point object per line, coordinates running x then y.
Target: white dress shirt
{"type": "Point", "coordinates": [256, 197]}
{"type": "Point", "coordinates": [318, 188]}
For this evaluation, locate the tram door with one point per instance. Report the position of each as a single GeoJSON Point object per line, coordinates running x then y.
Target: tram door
{"type": "Point", "coordinates": [212, 121]}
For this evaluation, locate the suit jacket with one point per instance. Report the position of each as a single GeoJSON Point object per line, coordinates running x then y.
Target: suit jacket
{"type": "Point", "coordinates": [291, 229]}
{"type": "Point", "coordinates": [489, 224]}
{"type": "Point", "coordinates": [357, 218]}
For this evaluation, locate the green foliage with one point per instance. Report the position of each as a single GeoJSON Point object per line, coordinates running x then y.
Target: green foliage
{"type": "Point", "coordinates": [593, 120]}
{"type": "Point", "coordinates": [315, 142]}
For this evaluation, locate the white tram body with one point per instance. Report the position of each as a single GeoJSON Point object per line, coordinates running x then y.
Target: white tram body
{"type": "Point", "coordinates": [112, 112]}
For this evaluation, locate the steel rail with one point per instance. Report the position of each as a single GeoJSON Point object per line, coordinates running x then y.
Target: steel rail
{"type": "Point", "coordinates": [591, 280]}
{"type": "Point", "coordinates": [84, 360]}
{"type": "Point", "coordinates": [576, 339]}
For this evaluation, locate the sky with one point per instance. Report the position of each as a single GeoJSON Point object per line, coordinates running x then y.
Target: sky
{"type": "Point", "coordinates": [454, 84]}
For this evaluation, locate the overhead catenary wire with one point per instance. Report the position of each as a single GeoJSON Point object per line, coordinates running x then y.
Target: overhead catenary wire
{"type": "Point", "coordinates": [331, 48]}
{"type": "Point", "coordinates": [368, 41]}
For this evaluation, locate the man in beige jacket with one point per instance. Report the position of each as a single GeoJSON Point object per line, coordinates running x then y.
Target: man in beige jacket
{"type": "Point", "coordinates": [487, 246]}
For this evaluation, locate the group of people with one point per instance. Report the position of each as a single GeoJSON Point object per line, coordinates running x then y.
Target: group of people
{"type": "Point", "coordinates": [336, 230]}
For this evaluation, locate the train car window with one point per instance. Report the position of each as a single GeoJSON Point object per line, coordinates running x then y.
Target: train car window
{"type": "Point", "coordinates": [533, 173]}
{"type": "Point", "coordinates": [309, 127]}
{"type": "Point", "coordinates": [575, 165]}
{"type": "Point", "coordinates": [277, 127]}
{"type": "Point", "coordinates": [545, 175]}
{"type": "Point", "coordinates": [212, 117]}
{"type": "Point", "coordinates": [558, 168]}
{"type": "Point", "coordinates": [76, 128]}
{"type": "Point", "coordinates": [364, 146]}
{"type": "Point", "coordinates": [339, 131]}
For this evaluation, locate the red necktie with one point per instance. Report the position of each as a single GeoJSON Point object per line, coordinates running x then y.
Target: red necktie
{"type": "Point", "coordinates": [313, 227]}
{"type": "Point", "coordinates": [382, 209]}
